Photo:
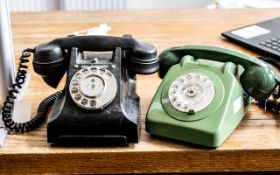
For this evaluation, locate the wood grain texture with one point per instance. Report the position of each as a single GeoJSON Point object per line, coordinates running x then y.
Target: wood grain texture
{"type": "Point", "coordinates": [253, 146]}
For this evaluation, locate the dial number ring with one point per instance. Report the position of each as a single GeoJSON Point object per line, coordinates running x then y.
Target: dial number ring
{"type": "Point", "coordinates": [93, 88]}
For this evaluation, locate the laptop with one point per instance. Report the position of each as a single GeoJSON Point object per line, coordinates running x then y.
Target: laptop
{"type": "Point", "coordinates": [263, 37]}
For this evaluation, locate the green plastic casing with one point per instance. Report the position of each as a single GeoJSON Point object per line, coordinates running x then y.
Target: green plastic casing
{"type": "Point", "coordinates": [212, 125]}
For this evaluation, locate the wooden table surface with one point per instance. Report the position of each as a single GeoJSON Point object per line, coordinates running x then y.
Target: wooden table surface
{"type": "Point", "coordinates": [253, 146]}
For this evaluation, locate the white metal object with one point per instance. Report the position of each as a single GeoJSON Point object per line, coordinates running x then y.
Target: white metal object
{"type": "Point", "coordinates": [93, 88]}
{"type": "Point", "coordinates": [7, 66]}
{"type": "Point", "coordinates": [191, 92]}
{"type": "Point", "coordinates": [102, 29]}
{"type": "Point", "coordinates": [22, 110]}
{"type": "Point", "coordinates": [3, 134]}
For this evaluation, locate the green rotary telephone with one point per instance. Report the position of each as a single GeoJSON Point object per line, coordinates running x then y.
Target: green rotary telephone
{"type": "Point", "coordinates": [205, 93]}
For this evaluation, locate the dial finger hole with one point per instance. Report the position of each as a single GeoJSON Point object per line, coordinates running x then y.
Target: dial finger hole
{"type": "Point", "coordinates": [101, 71]}
{"type": "Point", "coordinates": [189, 77]}
{"type": "Point", "coordinates": [92, 103]}
{"type": "Point", "coordinates": [77, 97]}
{"type": "Point", "coordinates": [204, 79]}
{"type": "Point", "coordinates": [74, 90]}
{"type": "Point", "coordinates": [181, 80]}
{"type": "Point", "coordinates": [78, 76]}
{"type": "Point", "coordinates": [93, 70]}
{"type": "Point", "coordinates": [75, 83]}
{"type": "Point", "coordinates": [84, 101]}
{"type": "Point", "coordinates": [175, 86]}
{"type": "Point", "coordinates": [179, 103]}
{"type": "Point", "coordinates": [209, 84]}
{"type": "Point", "coordinates": [85, 70]}
{"type": "Point", "coordinates": [186, 108]}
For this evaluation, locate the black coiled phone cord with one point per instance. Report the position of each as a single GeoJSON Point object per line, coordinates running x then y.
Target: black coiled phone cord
{"type": "Point", "coordinates": [268, 104]}
{"type": "Point", "coordinates": [8, 106]}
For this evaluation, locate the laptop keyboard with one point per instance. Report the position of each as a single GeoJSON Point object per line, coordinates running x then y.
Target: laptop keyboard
{"type": "Point", "coordinates": [273, 43]}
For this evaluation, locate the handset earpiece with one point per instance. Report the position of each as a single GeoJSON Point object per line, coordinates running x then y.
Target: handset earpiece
{"type": "Point", "coordinates": [258, 80]}
{"type": "Point", "coordinates": [166, 60]}
{"type": "Point", "coordinates": [50, 62]}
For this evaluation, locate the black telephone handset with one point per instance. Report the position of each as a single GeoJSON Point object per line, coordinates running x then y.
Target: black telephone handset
{"type": "Point", "coordinates": [99, 103]}
{"type": "Point", "coordinates": [51, 60]}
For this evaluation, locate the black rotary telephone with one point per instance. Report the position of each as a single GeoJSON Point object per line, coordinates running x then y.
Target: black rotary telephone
{"type": "Point", "coordinates": [98, 103]}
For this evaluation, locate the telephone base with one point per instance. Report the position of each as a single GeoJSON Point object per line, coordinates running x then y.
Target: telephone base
{"type": "Point", "coordinates": [210, 126]}
{"type": "Point", "coordinates": [109, 121]}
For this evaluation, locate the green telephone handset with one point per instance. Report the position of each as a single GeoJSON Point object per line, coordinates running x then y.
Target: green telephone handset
{"type": "Point", "coordinates": [205, 92]}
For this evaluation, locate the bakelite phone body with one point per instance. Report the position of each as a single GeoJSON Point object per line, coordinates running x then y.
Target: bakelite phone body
{"type": "Point", "coordinates": [99, 104]}
{"type": "Point", "coordinates": [205, 92]}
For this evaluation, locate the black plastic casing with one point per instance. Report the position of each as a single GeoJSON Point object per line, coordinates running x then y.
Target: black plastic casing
{"type": "Point", "coordinates": [116, 124]}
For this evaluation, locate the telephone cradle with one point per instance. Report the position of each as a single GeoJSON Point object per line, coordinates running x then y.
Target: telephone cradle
{"type": "Point", "coordinates": [205, 92]}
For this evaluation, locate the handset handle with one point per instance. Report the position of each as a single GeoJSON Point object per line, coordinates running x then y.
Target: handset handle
{"type": "Point", "coordinates": [174, 55]}
{"type": "Point", "coordinates": [139, 51]}
{"type": "Point", "coordinates": [259, 79]}
{"type": "Point", "coordinates": [142, 57]}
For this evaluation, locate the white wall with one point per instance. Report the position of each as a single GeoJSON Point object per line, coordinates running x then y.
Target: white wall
{"type": "Point", "coordinates": [93, 4]}
{"type": "Point", "coordinates": [32, 5]}
{"type": "Point", "coordinates": [45, 5]}
{"type": "Point", "coordinates": [167, 4]}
